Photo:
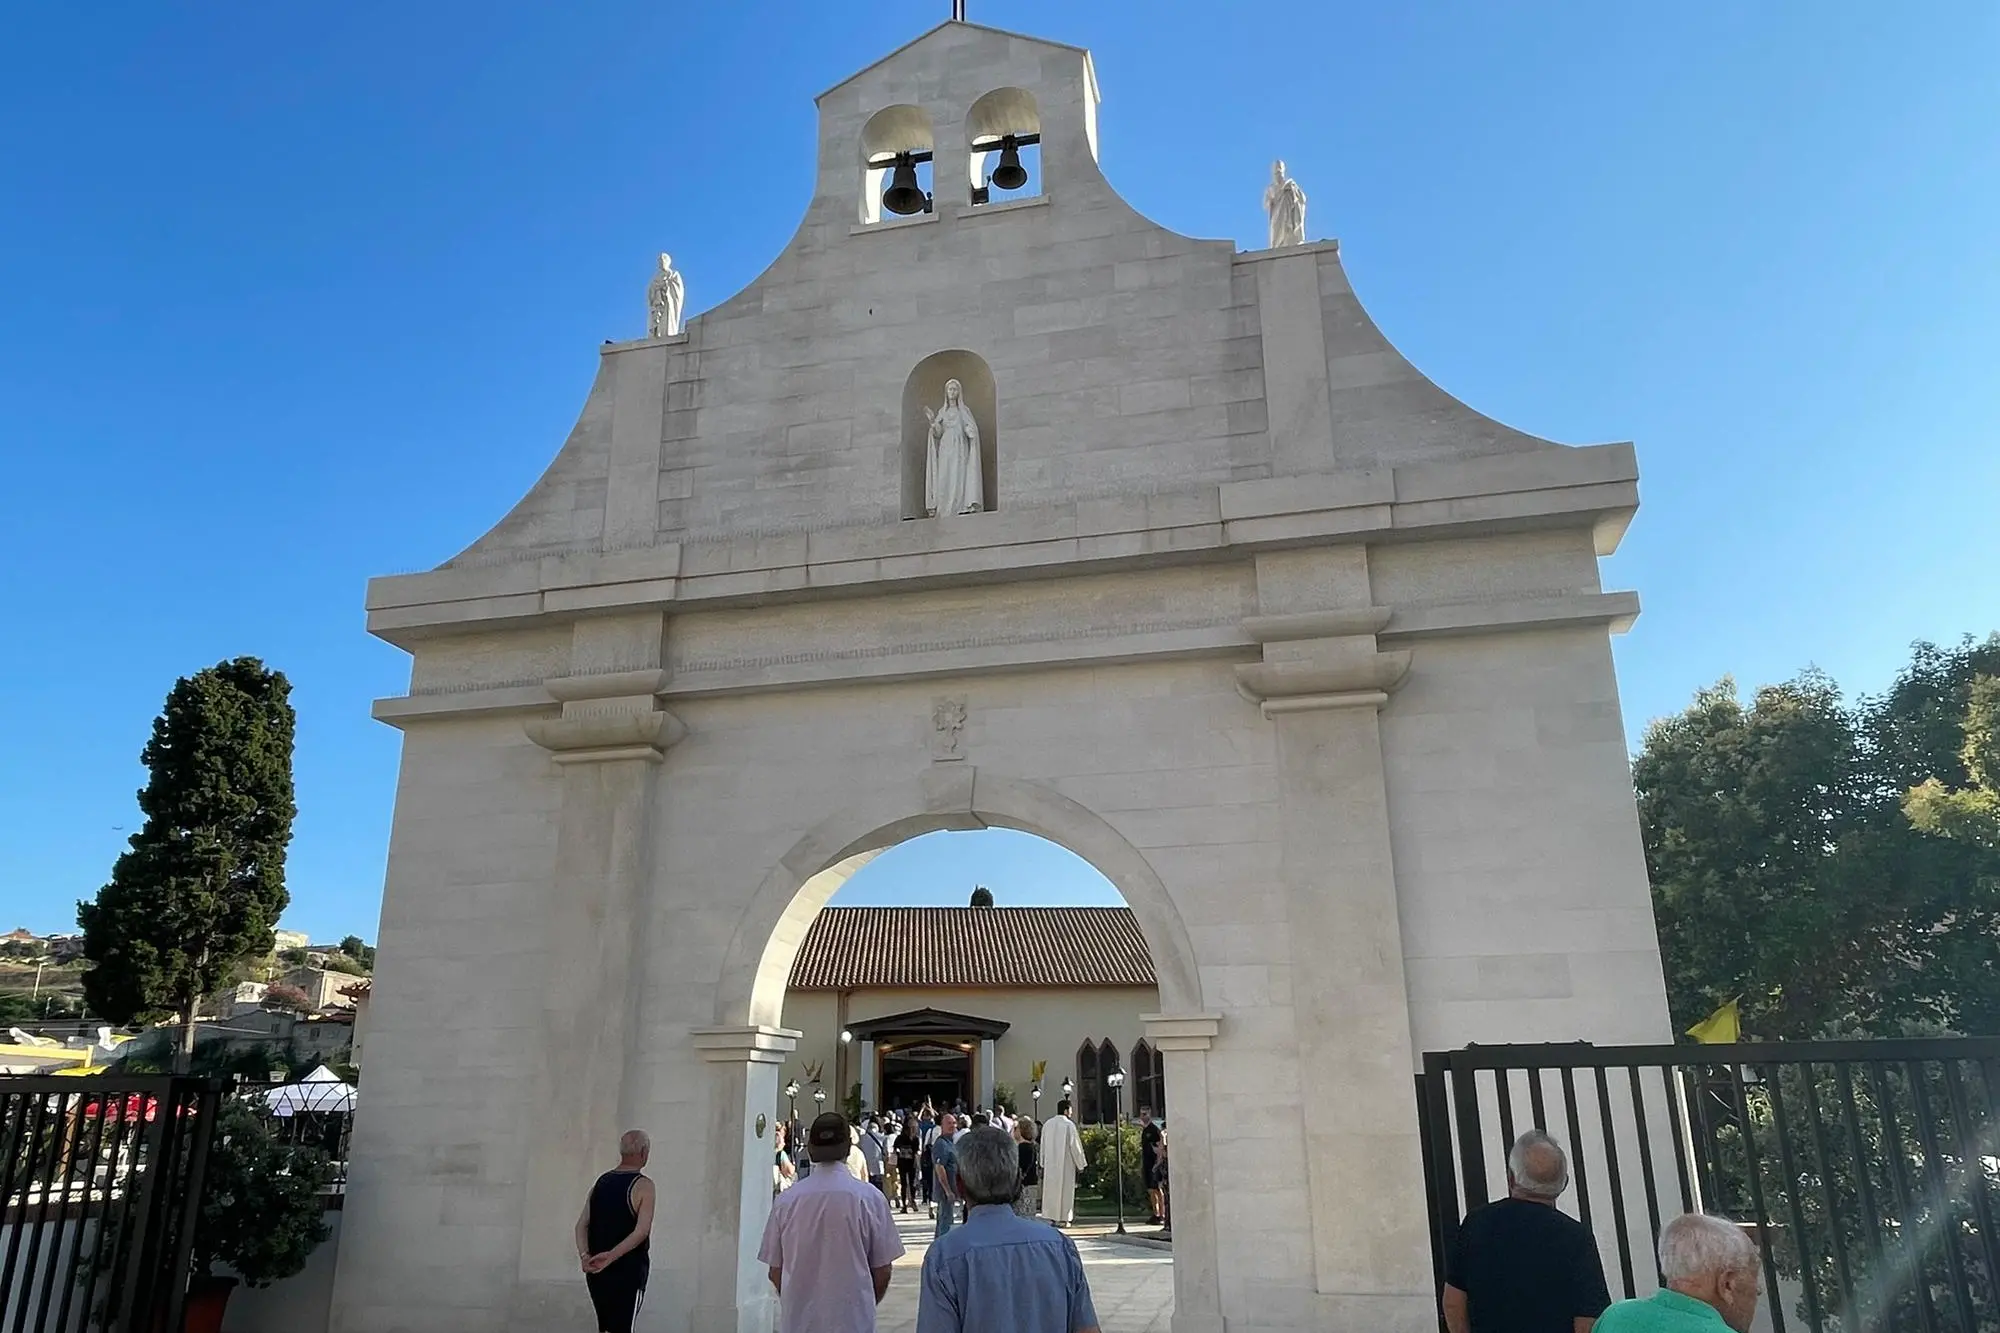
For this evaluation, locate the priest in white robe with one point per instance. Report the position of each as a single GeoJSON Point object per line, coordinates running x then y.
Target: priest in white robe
{"type": "Point", "coordinates": [1062, 1158]}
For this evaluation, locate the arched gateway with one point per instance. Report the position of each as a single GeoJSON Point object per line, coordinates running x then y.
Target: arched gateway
{"type": "Point", "coordinates": [1308, 658]}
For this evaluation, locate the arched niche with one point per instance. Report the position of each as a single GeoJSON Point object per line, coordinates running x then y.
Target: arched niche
{"type": "Point", "coordinates": [925, 388]}
{"type": "Point", "coordinates": [999, 113]}
{"type": "Point", "coordinates": [889, 132]}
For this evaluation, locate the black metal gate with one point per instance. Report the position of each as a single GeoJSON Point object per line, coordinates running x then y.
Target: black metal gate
{"type": "Point", "coordinates": [1868, 1172]}
{"type": "Point", "coordinates": [100, 1182]}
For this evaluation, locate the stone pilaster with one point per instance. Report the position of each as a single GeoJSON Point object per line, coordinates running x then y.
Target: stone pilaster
{"type": "Point", "coordinates": [732, 1292]}
{"type": "Point", "coordinates": [1321, 683]}
{"type": "Point", "coordinates": [1183, 1041]}
{"type": "Point", "coordinates": [607, 743]}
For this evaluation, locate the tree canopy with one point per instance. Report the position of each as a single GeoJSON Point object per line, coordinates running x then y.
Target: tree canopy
{"type": "Point", "coordinates": [200, 888]}
{"type": "Point", "coordinates": [1831, 862]}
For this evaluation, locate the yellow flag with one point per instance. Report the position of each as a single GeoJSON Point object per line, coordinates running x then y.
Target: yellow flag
{"type": "Point", "coordinates": [1721, 1028]}
{"type": "Point", "coordinates": [1036, 1075]}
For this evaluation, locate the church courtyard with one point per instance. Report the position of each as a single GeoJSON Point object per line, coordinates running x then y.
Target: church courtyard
{"type": "Point", "coordinates": [1132, 1286]}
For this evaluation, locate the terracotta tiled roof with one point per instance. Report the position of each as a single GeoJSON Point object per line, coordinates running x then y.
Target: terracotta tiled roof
{"type": "Point", "coordinates": [848, 948]}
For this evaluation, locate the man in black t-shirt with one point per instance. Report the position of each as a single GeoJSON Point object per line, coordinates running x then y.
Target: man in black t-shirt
{"type": "Point", "coordinates": [1149, 1160]}
{"type": "Point", "coordinates": [1520, 1266]}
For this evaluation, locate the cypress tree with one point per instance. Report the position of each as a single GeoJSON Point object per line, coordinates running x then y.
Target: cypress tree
{"type": "Point", "coordinates": [202, 885]}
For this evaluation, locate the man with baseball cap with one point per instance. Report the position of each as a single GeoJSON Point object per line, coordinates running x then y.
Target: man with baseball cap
{"type": "Point", "coordinates": [830, 1242]}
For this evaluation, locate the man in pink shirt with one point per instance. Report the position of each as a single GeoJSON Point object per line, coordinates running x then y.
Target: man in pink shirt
{"type": "Point", "coordinates": [830, 1242]}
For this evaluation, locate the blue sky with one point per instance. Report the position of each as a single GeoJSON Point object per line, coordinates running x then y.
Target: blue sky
{"type": "Point", "coordinates": [292, 295]}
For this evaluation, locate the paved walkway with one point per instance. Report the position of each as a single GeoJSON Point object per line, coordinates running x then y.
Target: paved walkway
{"type": "Point", "coordinates": [1132, 1287]}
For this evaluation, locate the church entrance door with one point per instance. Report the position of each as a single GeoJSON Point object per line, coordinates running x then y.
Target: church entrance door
{"type": "Point", "coordinates": [926, 1070]}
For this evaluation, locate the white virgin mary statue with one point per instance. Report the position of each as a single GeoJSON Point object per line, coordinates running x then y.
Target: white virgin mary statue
{"type": "Point", "coordinates": [952, 481]}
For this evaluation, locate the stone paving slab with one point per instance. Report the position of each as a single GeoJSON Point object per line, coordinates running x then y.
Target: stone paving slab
{"type": "Point", "coordinates": [1131, 1285]}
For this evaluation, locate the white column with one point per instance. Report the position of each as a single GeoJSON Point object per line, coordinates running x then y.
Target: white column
{"type": "Point", "coordinates": [986, 1074]}
{"type": "Point", "coordinates": [864, 1051]}
{"type": "Point", "coordinates": [1183, 1041]}
{"type": "Point", "coordinates": [732, 1292]}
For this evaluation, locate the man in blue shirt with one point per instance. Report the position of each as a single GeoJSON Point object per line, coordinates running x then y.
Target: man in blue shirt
{"type": "Point", "coordinates": [1001, 1273]}
{"type": "Point", "coordinates": [944, 1170]}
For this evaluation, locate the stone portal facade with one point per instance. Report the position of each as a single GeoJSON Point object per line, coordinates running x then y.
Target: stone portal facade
{"type": "Point", "coordinates": [1308, 658]}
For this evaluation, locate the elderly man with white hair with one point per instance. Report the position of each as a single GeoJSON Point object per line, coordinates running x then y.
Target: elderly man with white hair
{"type": "Point", "coordinates": [1711, 1272]}
{"type": "Point", "coordinates": [1520, 1266]}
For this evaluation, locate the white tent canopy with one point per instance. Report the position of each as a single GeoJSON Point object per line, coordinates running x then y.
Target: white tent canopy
{"type": "Point", "coordinates": [321, 1090]}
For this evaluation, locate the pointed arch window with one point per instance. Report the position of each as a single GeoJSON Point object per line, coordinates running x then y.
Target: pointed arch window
{"type": "Point", "coordinates": [1109, 1102]}
{"type": "Point", "coordinates": [1088, 1089]}
{"type": "Point", "coordinates": [1149, 1079]}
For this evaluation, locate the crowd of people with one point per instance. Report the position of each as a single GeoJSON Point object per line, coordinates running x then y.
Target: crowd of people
{"type": "Point", "coordinates": [1519, 1265]}
{"type": "Point", "coordinates": [908, 1155]}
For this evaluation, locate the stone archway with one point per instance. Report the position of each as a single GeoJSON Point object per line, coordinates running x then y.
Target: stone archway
{"type": "Point", "coordinates": [748, 1041]}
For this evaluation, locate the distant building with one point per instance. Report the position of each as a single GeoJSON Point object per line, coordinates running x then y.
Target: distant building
{"type": "Point", "coordinates": [291, 939]}
{"type": "Point", "coordinates": [21, 936]}
{"type": "Point", "coordinates": [324, 989]}
{"type": "Point", "coordinates": [950, 1002]}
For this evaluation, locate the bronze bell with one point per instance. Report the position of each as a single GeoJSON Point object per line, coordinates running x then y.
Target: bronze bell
{"type": "Point", "coordinates": [1010, 174]}
{"type": "Point", "coordinates": [903, 197]}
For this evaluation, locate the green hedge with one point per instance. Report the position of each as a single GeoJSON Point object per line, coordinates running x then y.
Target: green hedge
{"type": "Point", "coordinates": [1097, 1178]}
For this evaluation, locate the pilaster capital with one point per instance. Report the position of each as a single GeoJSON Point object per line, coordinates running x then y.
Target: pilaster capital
{"type": "Point", "coordinates": [748, 1044]}
{"type": "Point", "coordinates": [1321, 659]}
{"type": "Point", "coordinates": [1303, 685]}
{"type": "Point", "coordinates": [1181, 1032]}
{"type": "Point", "coordinates": [611, 715]}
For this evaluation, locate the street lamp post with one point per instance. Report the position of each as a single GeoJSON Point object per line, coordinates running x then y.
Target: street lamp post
{"type": "Point", "coordinates": [1115, 1080]}
{"type": "Point", "coordinates": [1036, 1093]}
{"type": "Point", "coordinates": [792, 1095]}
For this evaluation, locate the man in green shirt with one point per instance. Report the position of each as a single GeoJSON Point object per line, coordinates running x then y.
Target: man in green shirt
{"type": "Point", "coordinates": [1711, 1272]}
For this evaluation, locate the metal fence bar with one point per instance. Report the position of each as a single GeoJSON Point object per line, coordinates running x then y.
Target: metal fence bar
{"type": "Point", "coordinates": [1503, 1096]}
{"type": "Point", "coordinates": [1617, 1186]}
{"type": "Point", "coordinates": [1937, 1172]}
{"type": "Point", "coordinates": [1864, 1171]}
{"type": "Point", "coordinates": [79, 1255]}
{"type": "Point", "coordinates": [1576, 1146]}
{"type": "Point", "coordinates": [61, 1145]}
{"type": "Point", "coordinates": [1535, 1100]}
{"type": "Point", "coordinates": [1748, 1134]}
{"type": "Point", "coordinates": [1978, 1148]}
{"type": "Point", "coordinates": [1823, 1166]}
{"type": "Point", "coordinates": [26, 1150]}
{"type": "Point", "coordinates": [1909, 1234]}
{"type": "Point", "coordinates": [1646, 1161]}
{"type": "Point", "coordinates": [1801, 1238]}
{"type": "Point", "coordinates": [1471, 1152]}
{"type": "Point", "coordinates": [1670, 1078]}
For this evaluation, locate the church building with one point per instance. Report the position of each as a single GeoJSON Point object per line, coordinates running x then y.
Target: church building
{"type": "Point", "coordinates": [963, 1004]}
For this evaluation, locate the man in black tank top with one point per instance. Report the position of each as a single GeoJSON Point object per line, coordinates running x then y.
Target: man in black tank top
{"type": "Point", "coordinates": [613, 1235]}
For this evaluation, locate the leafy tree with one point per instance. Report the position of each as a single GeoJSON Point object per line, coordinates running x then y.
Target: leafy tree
{"type": "Point", "coordinates": [201, 887]}
{"type": "Point", "coordinates": [982, 896]}
{"type": "Point", "coordinates": [1970, 812]}
{"type": "Point", "coordinates": [340, 962]}
{"type": "Point", "coordinates": [261, 1210]}
{"type": "Point", "coordinates": [361, 953]}
{"type": "Point", "coordinates": [1785, 869]}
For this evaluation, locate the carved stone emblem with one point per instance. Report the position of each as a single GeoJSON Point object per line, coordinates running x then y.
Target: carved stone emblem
{"type": "Point", "coordinates": [947, 727]}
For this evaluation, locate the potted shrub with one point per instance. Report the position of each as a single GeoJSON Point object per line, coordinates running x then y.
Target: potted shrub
{"type": "Point", "coordinates": [261, 1212]}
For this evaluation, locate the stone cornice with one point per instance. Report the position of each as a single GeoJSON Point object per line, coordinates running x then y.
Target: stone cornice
{"type": "Point", "coordinates": [1594, 488]}
{"type": "Point", "coordinates": [1399, 626]}
{"type": "Point", "coordinates": [751, 1044]}
{"type": "Point", "coordinates": [1181, 1032]}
